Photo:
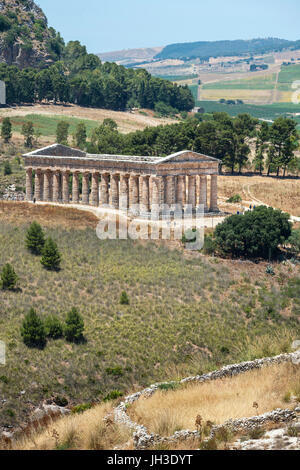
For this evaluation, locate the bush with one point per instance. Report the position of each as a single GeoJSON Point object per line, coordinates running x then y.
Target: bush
{"type": "Point", "coordinates": [113, 395]}
{"type": "Point", "coordinates": [53, 327]}
{"type": "Point", "coordinates": [294, 242]}
{"type": "Point", "coordinates": [209, 246]}
{"type": "Point", "coordinates": [61, 401]}
{"type": "Point", "coordinates": [6, 130]}
{"type": "Point", "coordinates": [124, 300]}
{"type": "Point", "coordinates": [7, 169]}
{"type": "Point", "coordinates": [8, 277]}
{"type": "Point", "coordinates": [255, 234]}
{"type": "Point", "coordinates": [51, 257]}
{"type": "Point", "coordinates": [35, 238]}
{"type": "Point", "coordinates": [235, 199]}
{"type": "Point", "coordinates": [81, 408]}
{"type": "Point", "coordinates": [74, 326]}
{"type": "Point", "coordinates": [33, 330]}
{"type": "Point", "coordinates": [116, 371]}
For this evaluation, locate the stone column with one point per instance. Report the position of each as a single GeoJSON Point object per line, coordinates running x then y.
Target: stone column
{"type": "Point", "coordinates": [192, 191]}
{"type": "Point", "coordinates": [29, 193]}
{"type": "Point", "coordinates": [114, 191]}
{"type": "Point", "coordinates": [162, 189]}
{"type": "Point", "coordinates": [203, 192]}
{"type": "Point", "coordinates": [85, 188]}
{"type": "Point", "coordinates": [56, 186]}
{"type": "Point", "coordinates": [65, 187]}
{"type": "Point", "coordinates": [170, 190]}
{"type": "Point", "coordinates": [95, 189]}
{"type": "Point", "coordinates": [181, 190]}
{"type": "Point", "coordinates": [75, 188]}
{"type": "Point", "coordinates": [124, 192]}
{"type": "Point", "coordinates": [145, 195]}
{"type": "Point", "coordinates": [38, 185]}
{"type": "Point", "coordinates": [134, 193]}
{"type": "Point", "coordinates": [47, 185]}
{"type": "Point", "coordinates": [104, 189]}
{"type": "Point", "coordinates": [214, 194]}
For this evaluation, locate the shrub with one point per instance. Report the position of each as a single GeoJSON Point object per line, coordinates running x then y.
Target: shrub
{"type": "Point", "coordinates": [8, 277]}
{"type": "Point", "coordinates": [256, 433]}
{"type": "Point", "coordinates": [113, 395]}
{"type": "Point", "coordinates": [117, 371]}
{"type": "Point", "coordinates": [81, 408]}
{"type": "Point", "coordinates": [53, 327]}
{"type": "Point", "coordinates": [209, 246]}
{"type": "Point", "coordinates": [74, 326]}
{"type": "Point", "coordinates": [35, 238]}
{"type": "Point", "coordinates": [51, 257]}
{"type": "Point", "coordinates": [270, 270]}
{"type": "Point", "coordinates": [168, 386]}
{"type": "Point", "coordinates": [7, 169]}
{"type": "Point", "coordinates": [61, 401]}
{"type": "Point", "coordinates": [255, 234]}
{"type": "Point", "coordinates": [294, 241]}
{"type": "Point", "coordinates": [235, 199]}
{"type": "Point", "coordinates": [33, 330]}
{"type": "Point", "coordinates": [124, 300]}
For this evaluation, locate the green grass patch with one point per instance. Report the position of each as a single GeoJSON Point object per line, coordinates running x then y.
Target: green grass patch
{"type": "Point", "coordinates": [266, 82]}
{"type": "Point", "coordinates": [46, 125]}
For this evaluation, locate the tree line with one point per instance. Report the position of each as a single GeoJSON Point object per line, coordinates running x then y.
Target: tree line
{"type": "Point", "coordinates": [223, 137]}
{"type": "Point", "coordinates": [82, 79]}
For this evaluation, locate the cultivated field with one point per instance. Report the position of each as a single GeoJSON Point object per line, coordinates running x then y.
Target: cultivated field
{"type": "Point", "coordinates": [187, 313]}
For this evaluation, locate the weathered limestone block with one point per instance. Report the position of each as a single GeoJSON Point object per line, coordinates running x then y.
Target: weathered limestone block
{"type": "Point", "coordinates": [47, 185]}
{"type": "Point", "coordinates": [124, 192]}
{"type": "Point", "coordinates": [38, 185]}
{"type": "Point", "coordinates": [56, 186]}
{"type": "Point", "coordinates": [145, 195]}
{"type": "Point", "coordinates": [29, 192]}
{"type": "Point", "coordinates": [75, 188]}
{"type": "Point", "coordinates": [95, 189]}
{"type": "Point", "coordinates": [86, 189]}
{"type": "Point", "coordinates": [104, 189]}
{"type": "Point", "coordinates": [192, 191]}
{"type": "Point", "coordinates": [214, 194]}
{"type": "Point", "coordinates": [66, 187]}
{"type": "Point", "coordinates": [203, 192]}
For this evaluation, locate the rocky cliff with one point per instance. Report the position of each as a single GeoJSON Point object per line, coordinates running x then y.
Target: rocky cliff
{"type": "Point", "coordinates": [25, 38]}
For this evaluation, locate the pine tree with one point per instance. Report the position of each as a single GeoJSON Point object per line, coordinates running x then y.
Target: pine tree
{"type": "Point", "coordinates": [35, 238]}
{"type": "Point", "coordinates": [124, 300]}
{"type": "Point", "coordinates": [33, 330]}
{"type": "Point", "coordinates": [8, 277]}
{"type": "Point", "coordinates": [51, 257]}
{"type": "Point", "coordinates": [74, 326]}
{"type": "Point", "coordinates": [6, 132]}
{"type": "Point", "coordinates": [53, 327]}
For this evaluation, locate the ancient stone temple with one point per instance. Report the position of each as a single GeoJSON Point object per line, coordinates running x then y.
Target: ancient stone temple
{"type": "Point", "coordinates": [138, 184]}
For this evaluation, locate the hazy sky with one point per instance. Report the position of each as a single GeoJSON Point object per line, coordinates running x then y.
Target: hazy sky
{"type": "Point", "coordinates": [107, 25]}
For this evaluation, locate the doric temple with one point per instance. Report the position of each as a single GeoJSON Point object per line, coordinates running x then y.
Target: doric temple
{"type": "Point", "coordinates": [61, 174]}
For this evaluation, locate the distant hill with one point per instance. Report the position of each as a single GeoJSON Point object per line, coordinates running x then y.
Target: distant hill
{"type": "Point", "coordinates": [25, 39]}
{"type": "Point", "coordinates": [130, 55]}
{"type": "Point", "coordinates": [205, 49]}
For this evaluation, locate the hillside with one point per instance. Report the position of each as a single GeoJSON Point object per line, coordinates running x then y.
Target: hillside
{"type": "Point", "coordinates": [236, 310]}
{"type": "Point", "coordinates": [130, 55]}
{"type": "Point", "coordinates": [205, 49]}
{"type": "Point", "coordinates": [25, 39]}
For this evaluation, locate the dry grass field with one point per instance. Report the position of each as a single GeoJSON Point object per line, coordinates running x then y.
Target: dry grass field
{"type": "Point", "coordinates": [127, 122]}
{"type": "Point", "coordinates": [279, 193]}
{"type": "Point", "coordinates": [218, 401]}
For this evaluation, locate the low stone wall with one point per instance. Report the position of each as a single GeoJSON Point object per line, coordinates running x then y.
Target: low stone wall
{"type": "Point", "coordinates": [143, 439]}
